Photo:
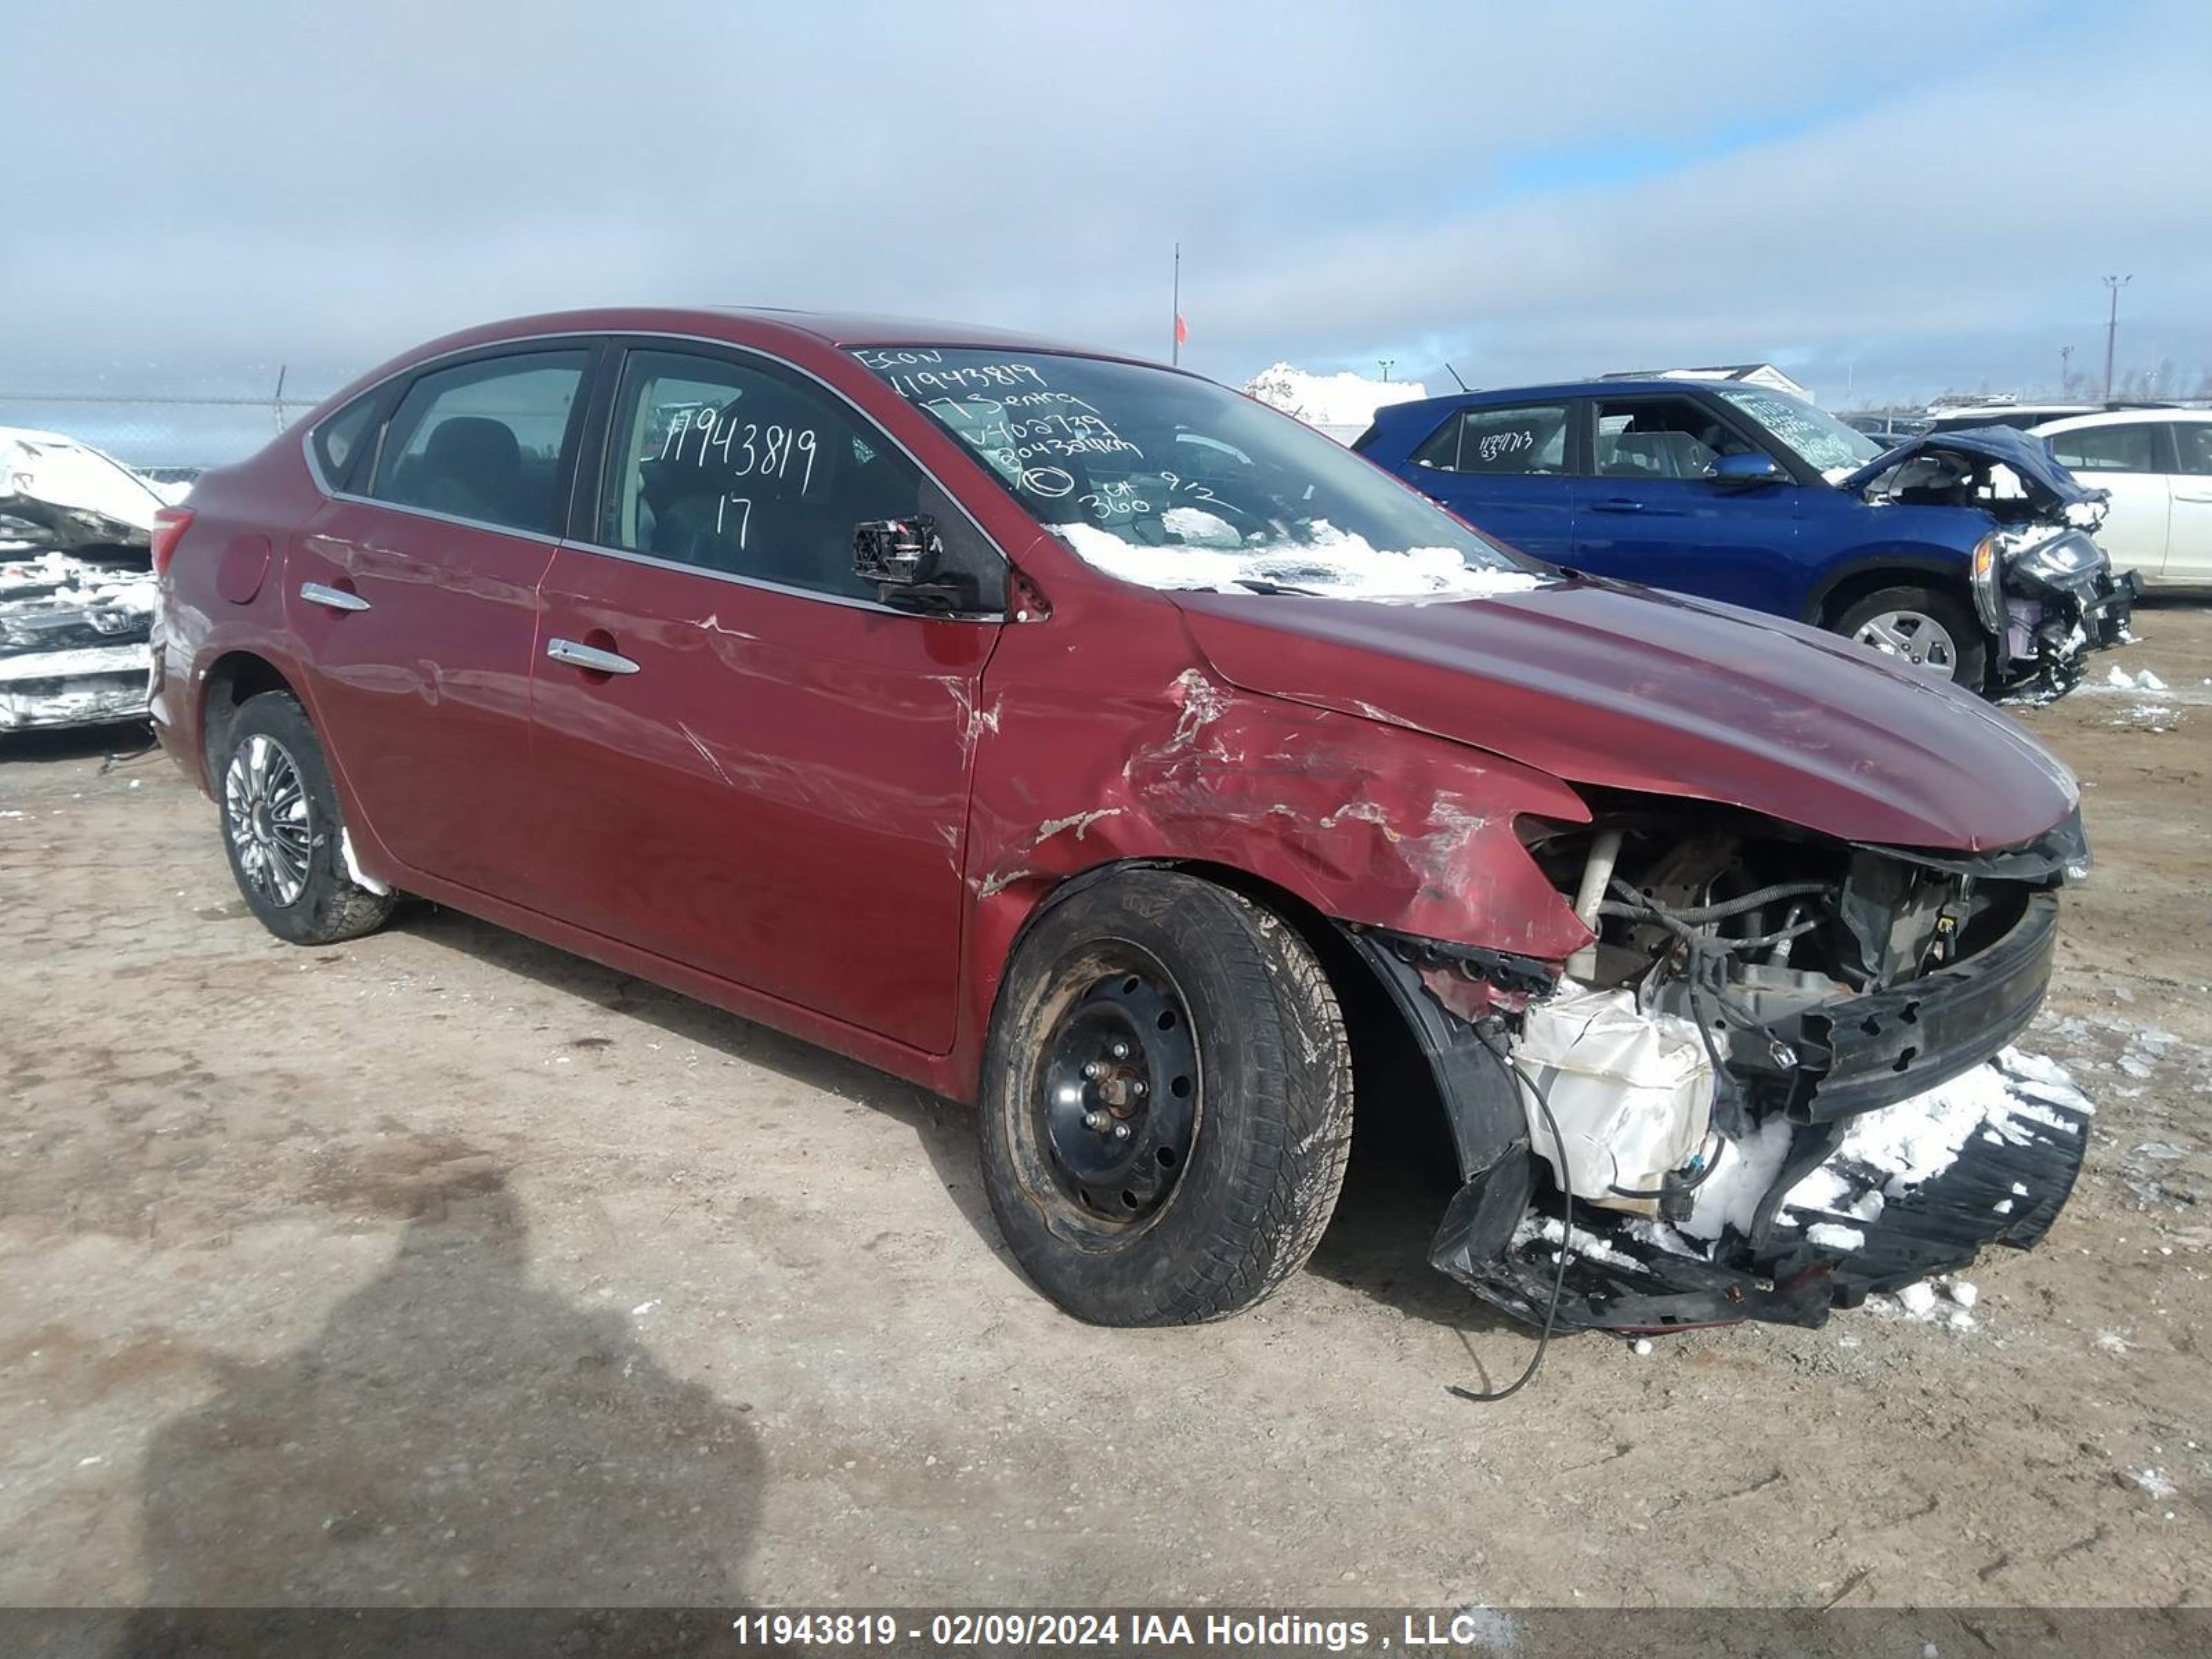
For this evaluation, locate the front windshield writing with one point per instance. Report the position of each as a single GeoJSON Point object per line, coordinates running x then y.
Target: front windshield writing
{"type": "Point", "coordinates": [1171, 481]}
{"type": "Point", "coordinates": [1824, 442]}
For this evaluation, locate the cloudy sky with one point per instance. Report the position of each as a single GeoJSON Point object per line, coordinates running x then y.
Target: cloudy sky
{"type": "Point", "coordinates": [1890, 199]}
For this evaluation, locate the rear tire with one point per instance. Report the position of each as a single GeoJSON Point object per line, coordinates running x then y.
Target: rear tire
{"type": "Point", "coordinates": [282, 830]}
{"type": "Point", "coordinates": [1166, 1102]}
{"type": "Point", "coordinates": [1896, 620]}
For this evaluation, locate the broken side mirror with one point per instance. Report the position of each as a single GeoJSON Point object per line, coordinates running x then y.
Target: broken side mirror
{"type": "Point", "coordinates": [1745, 472]}
{"type": "Point", "coordinates": [906, 561]}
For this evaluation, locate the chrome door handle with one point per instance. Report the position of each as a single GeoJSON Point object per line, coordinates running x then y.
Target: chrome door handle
{"type": "Point", "coordinates": [331, 598]}
{"type": "Point", "coordinates": [588, 656]}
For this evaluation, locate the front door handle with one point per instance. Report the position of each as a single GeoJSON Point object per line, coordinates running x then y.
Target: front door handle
{"type": "Point", "coordinates": [331, 598]}
{"type": "Point", "coordinates": [1618, 504]}
{"type": "Point", "coordinates": [588, 656]}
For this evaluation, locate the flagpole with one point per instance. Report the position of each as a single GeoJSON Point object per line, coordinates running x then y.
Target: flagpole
{"type": "Point", "coordinates": [1175, 322]}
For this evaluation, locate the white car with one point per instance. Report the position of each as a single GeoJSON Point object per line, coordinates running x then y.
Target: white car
{"type": "Point", "coordinates": [2156, 464]}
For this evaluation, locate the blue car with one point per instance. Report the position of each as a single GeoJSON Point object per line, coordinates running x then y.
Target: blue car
{"type": "Point", "coordinates": [1968, 553]}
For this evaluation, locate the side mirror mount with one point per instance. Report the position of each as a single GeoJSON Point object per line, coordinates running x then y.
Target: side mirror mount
{"type": "Point", "coordinates": [905, 558]}
{"type": "Point", "coordinates": [1745, 472]}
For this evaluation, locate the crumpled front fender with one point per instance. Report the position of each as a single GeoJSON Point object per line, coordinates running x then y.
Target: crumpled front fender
{"type": "Point", "coordinates": [1369, 823]}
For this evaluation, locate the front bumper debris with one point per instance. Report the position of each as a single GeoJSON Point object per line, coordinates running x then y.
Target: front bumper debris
{"type": "Point", "coordinates": [1870, 1050]}
{"type": "Point", "coordinates": [1840, 1222]}
{"type": "Point", "coordinates": [2053, 626]}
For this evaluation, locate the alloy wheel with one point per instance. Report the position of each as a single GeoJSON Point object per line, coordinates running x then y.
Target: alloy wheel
{"type": "Point", "coordinates": [1914, 635]}
{"type": "Point", "coordinates": [266, 813]}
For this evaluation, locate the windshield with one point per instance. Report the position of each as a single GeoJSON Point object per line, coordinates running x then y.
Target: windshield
{"type": "Point", "coordinates": [1172, 481]}
{"type": "Point", "coordinates": [1817, 438]}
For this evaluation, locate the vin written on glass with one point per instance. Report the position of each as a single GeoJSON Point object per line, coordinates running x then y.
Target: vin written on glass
{"type": "Point", "coordinates": [747, 448]}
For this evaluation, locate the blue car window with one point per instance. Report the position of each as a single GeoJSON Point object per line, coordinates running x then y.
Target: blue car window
{"type": "Point", "coordinates": [1657, 438]}
{"type": "Point", "coordinates": [1500, 442]}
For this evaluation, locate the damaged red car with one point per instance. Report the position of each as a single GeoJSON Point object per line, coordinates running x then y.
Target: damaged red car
{"type": "Point", "coordinates": [1081, 741]}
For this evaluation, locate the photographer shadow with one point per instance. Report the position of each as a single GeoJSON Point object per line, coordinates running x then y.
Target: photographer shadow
{"type": "Point", "coordinates": [455, 1436]}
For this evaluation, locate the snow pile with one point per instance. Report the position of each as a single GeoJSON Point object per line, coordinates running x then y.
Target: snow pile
{"type": "Point", "coordinates": [1330, 562]}
{"type": "Point", "coordinates": [2141, 680]}
{"type": "Point", "coordinates": [1885, 1154]}
{"type": "Point", "coordinates": [1345, 400]}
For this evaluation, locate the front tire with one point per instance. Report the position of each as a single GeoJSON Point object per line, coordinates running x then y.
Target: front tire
{"type": "Point", "coordinates": [1930, 630]}
{"type": "Point", "coordinates": [282, 831]}
{"type": "Point", "coordinates": [1166, 1102]}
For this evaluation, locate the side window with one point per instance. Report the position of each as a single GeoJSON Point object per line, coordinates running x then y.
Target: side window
{"type": "Point", "coordinates": [1660, 438]}
{"type": "Point", "coordinates": [2128, 448]}
{"type": "Point", "coordinates": [340, 441]}
{"type": "Point", "coordinates": [2194, 440]}
{"type": "Point", "coordinates": [1501, 443]}
{"type": "Point", "coordinates": [745, 469]}
{"type": "Point", "coordinates": [482, 441]}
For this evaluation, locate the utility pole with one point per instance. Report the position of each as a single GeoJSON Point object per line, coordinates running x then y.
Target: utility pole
{"type": "Point", "coordinates": [1384, 363]}
{"type": "Point", "coordinates": [2112, 285]}
{"type": "Point", "coordinates": [2065, 369]}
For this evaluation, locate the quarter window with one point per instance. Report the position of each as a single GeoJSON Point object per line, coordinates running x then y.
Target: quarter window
{"type": "Point", "coordinates": [739, 468]}
{"type": "Point", "coordinates": [2127, 448]}
{"type": "Point", "coordinates": [1657, 438]}
{"type": "Point", "coordinates": [340, 441]}
{"type": "Point", "coordinates": [1500, 442]}
{"type": "Point", "coordinates": [482, 441]}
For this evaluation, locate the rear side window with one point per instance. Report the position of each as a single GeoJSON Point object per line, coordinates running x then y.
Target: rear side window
{"type": "Point", "coordinates": [340, 442]}
{"type": "Point", "coordinates": [741, 468]}
{"type": "Point", "coordinates": [1500, 442]}
{"type": "Point", "coordinates": [2130, 448]}
{"type": "Point", "coordinates": [482, 441]}
{"type": "Point", "coordinates": [2194, 442]}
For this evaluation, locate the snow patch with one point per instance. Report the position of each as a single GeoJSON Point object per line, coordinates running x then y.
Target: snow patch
{"type": "Point", "coordinates": [1730, 1196]}
{"type": "Point", "coordinates": [1330, 562]}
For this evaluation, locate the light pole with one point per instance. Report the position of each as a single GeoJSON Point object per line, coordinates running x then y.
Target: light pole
{"type": "Point", "coordinates": [2065, 370]}
{"type": "Point", "coordinates": [2112, 285]}
{"type": "Point", "coordinates": [1385, 363]}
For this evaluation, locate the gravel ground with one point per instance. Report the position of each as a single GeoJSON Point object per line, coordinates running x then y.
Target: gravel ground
{"type": "Point", "coordinates": [440, 1268]}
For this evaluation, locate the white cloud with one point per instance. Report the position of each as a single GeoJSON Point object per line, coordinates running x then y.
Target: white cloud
{"type": "Point", "coordinates": [196, 190]}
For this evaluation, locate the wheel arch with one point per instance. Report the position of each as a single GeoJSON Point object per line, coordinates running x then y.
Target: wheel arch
{"type": "Point", "coordinates": [228, 682]}
{"type": "Point", "coordinates": [1845, 585]}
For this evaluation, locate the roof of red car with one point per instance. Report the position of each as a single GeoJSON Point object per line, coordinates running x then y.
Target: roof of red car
{"type": "Point", "coordinates": [827, 328]}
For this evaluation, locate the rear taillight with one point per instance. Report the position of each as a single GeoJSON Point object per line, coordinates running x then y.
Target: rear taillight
{"type": "Point", "coordinates": [170, 524]}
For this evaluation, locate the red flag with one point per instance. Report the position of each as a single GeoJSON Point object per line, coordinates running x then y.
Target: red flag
{"type": "Point", "coordinates": [1182, 331]}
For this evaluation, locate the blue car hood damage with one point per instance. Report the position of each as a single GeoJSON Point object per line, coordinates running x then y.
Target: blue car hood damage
{"type": "Point", "coordinates": [2050, 485]}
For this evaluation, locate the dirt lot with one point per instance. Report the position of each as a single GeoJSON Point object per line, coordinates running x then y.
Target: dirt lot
{"type": "Point", "coordinates": [441, 1267]}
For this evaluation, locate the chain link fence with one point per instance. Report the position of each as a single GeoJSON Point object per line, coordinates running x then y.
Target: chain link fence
{"type": "Point", "coordinates": [167, 437]}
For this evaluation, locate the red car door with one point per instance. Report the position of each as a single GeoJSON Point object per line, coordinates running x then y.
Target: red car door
{"type": "Point", "coordinates": [415, 605]}
{"type": "Point", "coordinates": [749, 764]}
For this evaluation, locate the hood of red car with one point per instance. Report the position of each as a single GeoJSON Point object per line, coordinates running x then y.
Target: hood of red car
{"type": "Point", "coordinates": [1601, 684]}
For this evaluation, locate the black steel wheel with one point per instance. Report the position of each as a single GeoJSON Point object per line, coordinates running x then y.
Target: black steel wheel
{"type": "Point", "coordinates": [1166, 1101]}
{"type": "Point", "coordinates": [1117, 1095]}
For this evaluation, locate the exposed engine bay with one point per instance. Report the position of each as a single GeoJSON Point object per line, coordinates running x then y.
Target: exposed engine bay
{"type": "Point", "coordinates": [1780, 1078]}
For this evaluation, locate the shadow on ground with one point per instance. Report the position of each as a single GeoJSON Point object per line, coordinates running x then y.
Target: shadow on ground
{"type": "Point", "coordinates": [1402, 1173]}
{"type": "Point", "coordinates": [454, 1435]}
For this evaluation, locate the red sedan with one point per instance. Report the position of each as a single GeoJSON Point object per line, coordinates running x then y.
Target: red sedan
{"type": "Point", "coordinates": [1081, 741]}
